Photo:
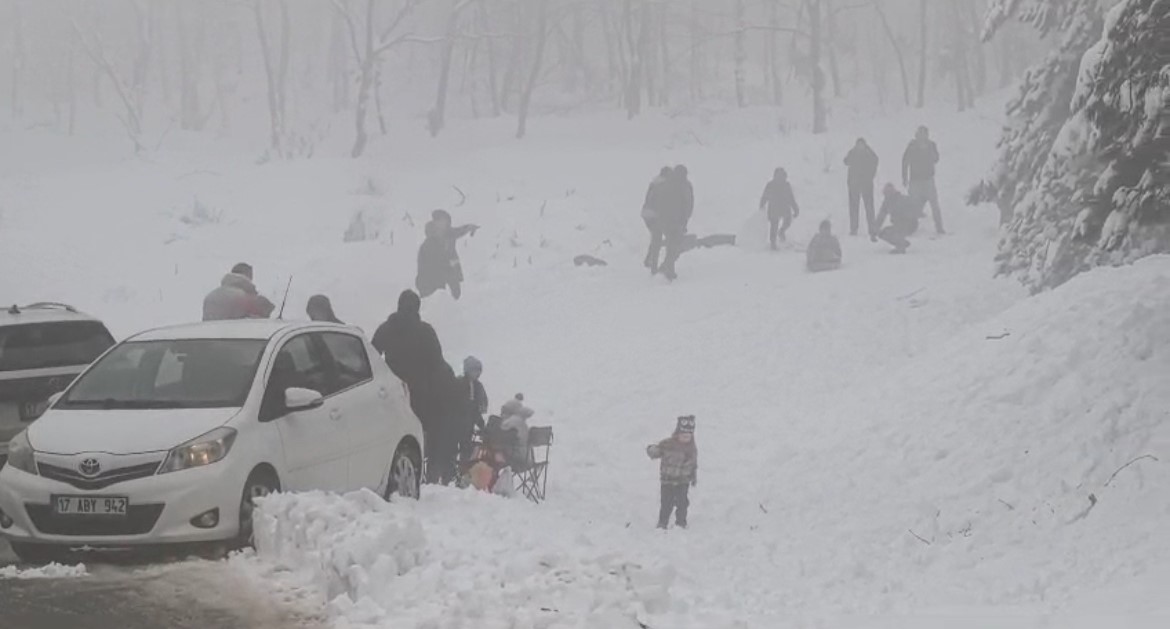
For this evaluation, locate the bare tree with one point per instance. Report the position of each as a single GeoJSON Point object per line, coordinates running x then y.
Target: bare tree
{"type": "Point", "coordinates": [95, 49]}
{"type": "Point", "coordinates": [275, 69]}
{"type": "Point", "coordinates": [18, 60]}
{"type": "Point", "coordinates": [437, 116]}
{"type": "Point", "coordinates": [541, 35]}
{"type": "Point", "coordinates": [893, 38]}
{"type": "Point", "coordinates": [922, 28]}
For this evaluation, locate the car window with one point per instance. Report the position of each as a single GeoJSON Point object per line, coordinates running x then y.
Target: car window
{"type": "Point", "coordinates": [56, 344]}
{"type": "Point", "coordinates": [351, 364]}
{"type": "Point", "coordinates": [299, 364]}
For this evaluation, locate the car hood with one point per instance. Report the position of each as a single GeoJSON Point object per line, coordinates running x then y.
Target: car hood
{"type": "Point", "coordinates": [122, 431]}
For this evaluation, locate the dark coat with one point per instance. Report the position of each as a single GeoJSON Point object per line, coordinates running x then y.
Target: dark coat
{"type": "Point", "coordinates": [675, 204]}
{"type": "Point", "coordinates": [779, 199]}
{"type": "Point", "coordinates": [863, 164]}
{"type": "Point", "coordinates": [656, 197]}
{"type": "Point", "coordinates": [473, 404]}
{"type": "Point", "coordinates": [901, 211]}
{"type": "Point", "coordinates": [919, 160]}
{"type": "Point", "coordinates": [412, 351]}
{"type": "Point", "coordinates": [824, 251]}
{"type": "Point", "coordinates": [438, 259]}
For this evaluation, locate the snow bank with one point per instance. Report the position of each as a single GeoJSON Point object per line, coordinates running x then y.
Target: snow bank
{"type": "Point", "coordinates": [482, 562]}
{"type": "Point", "coordinates": [50, 571]}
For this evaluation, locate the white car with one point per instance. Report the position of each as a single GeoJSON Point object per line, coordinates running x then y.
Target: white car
{"type": "Point", "coordinates": [169, 436]}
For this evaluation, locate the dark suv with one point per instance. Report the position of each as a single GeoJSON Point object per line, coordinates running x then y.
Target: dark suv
{"type": "Point", "coordinates": [43, 347]}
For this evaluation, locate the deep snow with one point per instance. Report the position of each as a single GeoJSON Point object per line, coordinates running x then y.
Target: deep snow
{"type": "Point", "coordinates": [841, 417]}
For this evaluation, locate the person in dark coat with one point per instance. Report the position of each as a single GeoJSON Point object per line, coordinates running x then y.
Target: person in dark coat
{"type": "Point", "coordinates": [320, 308]}
{"type": "Point", "coordinates": [903, 214]}
{"type": "Point", "coordinates": [236, 298]}
{"type": "Point", "coordinates": [780, 202]}
{"type": "Point", "coordinates": [412, 351]}
{"type": "Point", "coordinates": [473, 404]}
{"type": "Point", "coordinates": [918, 165]}
{"type": "Point", "coordinates": [824, 252]}
{"type": "Point", "coordinates": [438, 260]}
{"type": "Point", "coordinates": [863, 164]}
{"type": "Point", "coordinates": [652, 213]}
{"type": "Point", "coordinates": [677, 207]}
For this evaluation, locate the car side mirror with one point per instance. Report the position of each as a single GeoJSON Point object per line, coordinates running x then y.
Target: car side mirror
{"type": "Point", "coordinates": [296, 399]}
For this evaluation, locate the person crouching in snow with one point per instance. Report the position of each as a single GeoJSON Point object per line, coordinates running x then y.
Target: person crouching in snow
{"type": "Point", "coordinates": [678, 471]}
{"type": "Point", "coordinates": [903, 217]}
{"type": "Point", "coordinates": [438, 260]}
{"type": "Point", "coordinates": [824, 252]}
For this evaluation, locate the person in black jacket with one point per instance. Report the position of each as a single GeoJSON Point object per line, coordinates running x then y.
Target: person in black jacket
{"type": "Point", "coordinates": [678, 205]}
{"type": "Point", "coordinates": [412, 351]}
{"type": "Point", "coordinates": [903, 214]}
{"type": "Point", "coordinates": [918, 164]}
{"type": "Point", "coordinates": [473, 404]}
{"type": "Point", "coordinates": [652, 214]}
{"type": "Point", "coordinates": [320, 308]}
{"type": "Point", "coordinates": [780, 202]}
{"type": "Point", "coordinates": [438, 260]}
{"type": "Point", "coordinates": [863, 164]}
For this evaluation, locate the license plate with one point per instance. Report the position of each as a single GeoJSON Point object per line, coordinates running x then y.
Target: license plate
{"type": "Point", "coordinates": [91, 505]}
{"type": "Point", "coordinates": [30, 411]}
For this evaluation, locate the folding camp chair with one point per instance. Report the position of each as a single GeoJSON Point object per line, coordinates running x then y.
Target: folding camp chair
{"type": "Point", "coordinates": [533, 481]}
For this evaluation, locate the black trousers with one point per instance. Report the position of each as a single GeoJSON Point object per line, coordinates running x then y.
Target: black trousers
{"type": "Point", "coordinates": [778, 227]}
{"type": "Point", "coordinates": [858, 193]}
{"type": "Point", "coordinates": [674, 237]}
{"type": "Point", "coordinates": [674, 499]}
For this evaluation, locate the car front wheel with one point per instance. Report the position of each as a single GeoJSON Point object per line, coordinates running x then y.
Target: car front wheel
{"type": "Point", "coordinates": [260, 484]}
{"type": "Point", "coordinates": [405, 473]}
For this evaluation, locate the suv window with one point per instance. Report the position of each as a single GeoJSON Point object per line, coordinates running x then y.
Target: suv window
{"type": "Point", "coordinates": [352, 365]}
{"type": "Point", "coordinates": [56, 344]}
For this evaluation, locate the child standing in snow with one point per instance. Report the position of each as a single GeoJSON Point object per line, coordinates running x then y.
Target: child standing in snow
{"type": "Point", "coordinates": [679, 470]}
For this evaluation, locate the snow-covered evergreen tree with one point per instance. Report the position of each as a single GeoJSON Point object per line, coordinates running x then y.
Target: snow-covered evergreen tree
{"type": "Point", "coordinates": [1041, 106]}
{"type": "Point", "coordinates": [1082, 171]}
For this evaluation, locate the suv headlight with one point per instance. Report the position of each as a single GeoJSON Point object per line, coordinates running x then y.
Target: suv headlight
{"type": "Point", "coordinates": [21, 455]}
{"type": "Point", "coordinates": [200, 451]}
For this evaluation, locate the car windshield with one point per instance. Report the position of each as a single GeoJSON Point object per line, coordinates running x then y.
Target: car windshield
{"type": "Point", "coordinates": [57, 344]}
{"type": "Point", "coordinates": [188, 373]}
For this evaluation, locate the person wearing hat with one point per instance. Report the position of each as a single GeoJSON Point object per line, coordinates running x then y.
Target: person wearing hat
{"type": "Point", "coordinates": [473, 404]}
{"type": "Point", "coordinates": [438, 260]}
{"type": "Point", "coordinates": [514, 416]}
{"type": "Point", "coordinates": [678, 471]}
{"type": "Point", "coordinates": [780, 202]}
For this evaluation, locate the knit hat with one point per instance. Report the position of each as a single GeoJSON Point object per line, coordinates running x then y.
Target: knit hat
{"type": "Point", "coordinates": [515, 406]}
{"type": "Point", "coordinates": [686, 424]}
{"type": "Point", "coordinates": [471, 363]}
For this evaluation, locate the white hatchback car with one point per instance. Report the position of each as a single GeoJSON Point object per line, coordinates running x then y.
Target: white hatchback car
{"type": "Point", "coordinates": [169, 436]}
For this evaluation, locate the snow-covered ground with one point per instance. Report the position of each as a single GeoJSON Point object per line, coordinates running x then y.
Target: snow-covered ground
{"type": "Point", "coordinates": [904, 442]}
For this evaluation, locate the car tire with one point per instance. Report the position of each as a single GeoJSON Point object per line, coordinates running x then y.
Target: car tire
{"type": "Point", "coordinates": [39, 554]}
{"type": "Point", "coordinates": [405, 473]}
{"type": "Point", "coordinates": [260, 483]}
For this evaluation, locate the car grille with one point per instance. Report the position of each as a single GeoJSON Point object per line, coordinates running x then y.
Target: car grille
{"type": "Point", "coordinates": [101, 481]}
{"type": "Point", "coordinates": [139, 520]}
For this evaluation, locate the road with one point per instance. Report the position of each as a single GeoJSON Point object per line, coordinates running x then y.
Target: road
{"type": "Point", "coordinates": [190, 594]}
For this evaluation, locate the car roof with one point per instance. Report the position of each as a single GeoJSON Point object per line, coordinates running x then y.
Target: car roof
{"type": "Point", "coordinates": [41, 313]}
{"type": "Point", "coordinates": [254, 329]}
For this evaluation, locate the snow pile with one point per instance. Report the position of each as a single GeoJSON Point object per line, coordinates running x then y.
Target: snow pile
{"type": "Point", "coordinates": [50, 571]}
{"type": "Point", "coordinates": [483, 562]}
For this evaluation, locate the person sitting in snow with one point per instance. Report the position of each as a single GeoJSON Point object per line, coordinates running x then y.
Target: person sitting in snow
{"type": "Point", "coordinates": [679, 470]}
{"type": "Point", "coordinates": [236, 298]}
{"type": "Point", "coordinates": [824, 252]}
{"type": "Point", "coordinates": [438, 260]}
{"type": "Point", "coordinates": [514, 418]}
{"type": "Point", "coordinates": [903, 215]}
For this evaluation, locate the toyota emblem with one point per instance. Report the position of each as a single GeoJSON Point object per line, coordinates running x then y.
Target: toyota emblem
{"type": "Point", "coordinates": [89, 468]}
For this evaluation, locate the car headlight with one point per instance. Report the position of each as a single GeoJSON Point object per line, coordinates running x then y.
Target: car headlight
{"type": "Point", "coordinates": [200, 451]}
{"type": "Point", "coordinates": [21, 455]}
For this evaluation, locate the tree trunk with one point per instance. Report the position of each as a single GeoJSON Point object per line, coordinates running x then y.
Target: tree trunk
{"type": "Point", "coordinates": [71, 86]}
{"type": "Point", "coordinates": [273, 73]}
{"type": "Point", "coordinates": [633, 91]}
{"type": "Point", "coordinates": [493, 87]}
{"type": "Point", "coordinates": [15, 97]}
{"type": "Point", "coordinates": [189, 108]}
{"type": "Point", "coordinates": [664, 46]}
{"type": "Point", "coordinates": [339, 65]}
{"type": "Point", "coordinates": [741, 53]}
{"type": "Point", "coordinates": [820, 124]}
{"type": "Point", "coordinates": [437, 118]}
{"type": "Point", "coordinates": [537, 62]}
{"type": "Point", "coordinates": [774, 54]}
{"type": "Point", "coordinates": [831, 44]}
{"type": "Point", "coordinates": [897, 51]}
{"type": "Point", "coordinates": [922, 28]}
{"type": "Point", "coordinates": [696, 60]}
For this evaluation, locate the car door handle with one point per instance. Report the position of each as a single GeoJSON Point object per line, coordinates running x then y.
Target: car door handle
{"type": "Point", "coordinates": [382, 393]}
{"type": "Point", "coordinates": [335, 414]}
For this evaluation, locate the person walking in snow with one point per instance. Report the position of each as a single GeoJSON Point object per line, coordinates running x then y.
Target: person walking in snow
{"type": "Point", "coordinates": [824, 252]}
{"type": "Point", "coordinates": [780, 202]}
{"type": "Point", "coordinates": [903, 214]}
{"type": "Point", "coordinates": [473, 404]}
{"type": "Point", "coordinates": [652, 213]}
{"type": "Point", "coordinates": [320, 308]}
{"type": "Point", "coordinates": [863, 164]}
{"type": "Point", "coordinates": [677, 208]}
{"type": "Point", "coordinates": [438, 259]}
{"type": "Point", "coordinates": [918, 165]}
{"type": "Point", "coordinates": [678, 471]}
{"type": "Point", "coordinates": [236, 298]}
